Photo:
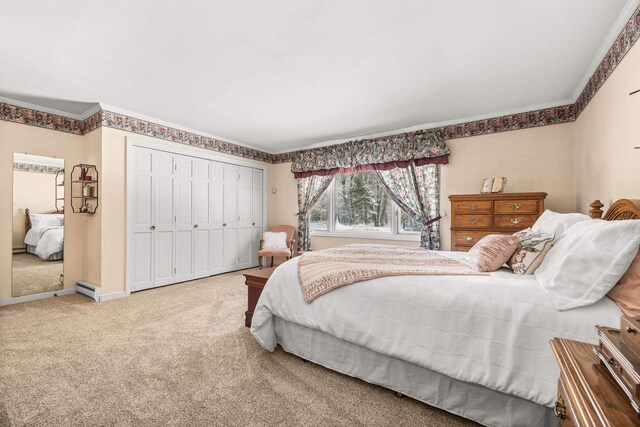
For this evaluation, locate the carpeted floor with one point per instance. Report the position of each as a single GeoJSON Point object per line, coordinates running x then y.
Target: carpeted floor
{"type": "Point", "coordinates": [178, 355]}
{"type": "Point", "coordinates": [32, 275]}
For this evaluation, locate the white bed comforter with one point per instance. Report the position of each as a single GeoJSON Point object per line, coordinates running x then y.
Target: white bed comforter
{"type": "Point", "coordinates": [490, 330]}
{"type": "Point", "coordinates": [47, 240]}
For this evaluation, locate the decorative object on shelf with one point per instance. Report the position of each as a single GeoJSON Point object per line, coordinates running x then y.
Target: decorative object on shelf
{"type": "Point", "coordinates": [60, 191]}
{"type": "Point", "coordinates": [498, 184]}
{"type": "Point", "coordinates": [84, 189]}
{"type": "Point", "coordinates": [487, 185]}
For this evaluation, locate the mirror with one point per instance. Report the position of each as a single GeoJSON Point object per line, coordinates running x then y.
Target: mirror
{"type": "Point", "coordinates": [38, 224]}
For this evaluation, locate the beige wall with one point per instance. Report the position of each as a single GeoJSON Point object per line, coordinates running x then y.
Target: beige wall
{"type": "Point", "coordinates": [536, 159]}
{"type": "Point", "coordinates": [43, 142]}
{"type": "Point", "coordinates": [92, 242]}
{"type": "Point", "coordinates": [607, 167]}
{"type": "Point", "coordinates": [34, 191]}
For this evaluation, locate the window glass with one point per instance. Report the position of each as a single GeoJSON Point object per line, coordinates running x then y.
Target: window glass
{"type": "Point", "coordinates": [408, 225]}
{"type": "Point", "coordinates": [361, 203]}
{"type": "Point", "coordinates": [319, 214]}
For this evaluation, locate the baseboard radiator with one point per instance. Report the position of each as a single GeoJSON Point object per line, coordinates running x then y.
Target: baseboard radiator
{"type": "Point", "coordinates": [88, 289]}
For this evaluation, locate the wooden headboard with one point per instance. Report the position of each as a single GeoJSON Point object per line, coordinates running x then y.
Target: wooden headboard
{"type": "Point", "coordinates": [620, 209]}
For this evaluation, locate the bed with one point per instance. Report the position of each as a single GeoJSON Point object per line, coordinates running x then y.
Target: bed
{"type": "Point", "coordinates": [44, 235]}
{"type": "Point", "coordinates": [476, 346]}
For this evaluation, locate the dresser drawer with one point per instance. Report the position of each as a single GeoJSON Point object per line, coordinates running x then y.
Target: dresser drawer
{"type": "Point", "coordinates": [473, 207]}
{"type": "Point", "coordinates": [516, 206]}
{"type": "Point", "coordinates": [473, 221]}
{"type": "Point", "coordinates": [469, 237]}
{"type": "Point", "coordinates": [517, 222]}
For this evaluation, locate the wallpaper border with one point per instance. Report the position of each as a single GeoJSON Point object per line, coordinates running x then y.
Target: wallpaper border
{"type": "Point", "coordinates": [544, 117]}
{"type": "Point", "coordinates": [30, 167]}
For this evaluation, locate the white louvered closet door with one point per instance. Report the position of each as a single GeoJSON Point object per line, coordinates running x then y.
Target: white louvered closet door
{"type": "Point", "coordinates": [184, 218]}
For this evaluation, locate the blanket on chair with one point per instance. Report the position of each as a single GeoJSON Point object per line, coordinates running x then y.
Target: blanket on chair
{"type": "Point", "coordinates": [322, 271]}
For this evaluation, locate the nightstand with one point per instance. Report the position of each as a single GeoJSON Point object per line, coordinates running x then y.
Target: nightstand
{"type": "Point", "coordinates": [255, 281]}
{"type": "Point", "coordinates": [587, 394]}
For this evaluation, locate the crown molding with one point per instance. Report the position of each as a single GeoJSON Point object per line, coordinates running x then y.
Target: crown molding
{"type": "Point", "coordinates": [623, 19]}
{"type": "Point", "coordinates": [35, 107]}
{"type": "Point", "coordinates": [133, 114]}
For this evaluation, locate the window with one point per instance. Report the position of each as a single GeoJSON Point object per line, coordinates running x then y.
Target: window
{"type": "Point", "coordinates": [357, 204]}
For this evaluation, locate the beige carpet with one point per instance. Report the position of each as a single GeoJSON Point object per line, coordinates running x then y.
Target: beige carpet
{"type": "Point", "coordinates": [32, 275]}
{"type": "Point", "coordinates": [178, 355]}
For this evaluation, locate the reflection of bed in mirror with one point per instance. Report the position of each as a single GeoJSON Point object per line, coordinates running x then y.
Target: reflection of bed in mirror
{"type": "Point", "coordinates": [44, 235]}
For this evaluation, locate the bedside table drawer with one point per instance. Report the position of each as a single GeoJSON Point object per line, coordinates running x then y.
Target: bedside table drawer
{"type": "Point", "coordinates": [473, 207]}
{"type": "Point", "coordinates": [517, 222]}
{"type": "Point", "coordinates": [516, 206]}
{"type": "Point", "coordinates": [563, 408]}
{"type": "Point", "coordinates": [473, 221]}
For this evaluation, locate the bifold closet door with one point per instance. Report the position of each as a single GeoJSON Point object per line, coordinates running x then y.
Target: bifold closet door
{"type": "Point", "coordinates": [152, 219]}
{"type": "Point", "coordinates": [230, 224]}
{"type": "Point", "coordinates": [216, 236]}
{"type": "Point", "coordinates": [201, 217]}
{"type": "Point", "coordinates": [184, 218]}
{"type": "Point", "coordinates": [245, 231]}
{"type": "Point", "coordinates": [256, 210]}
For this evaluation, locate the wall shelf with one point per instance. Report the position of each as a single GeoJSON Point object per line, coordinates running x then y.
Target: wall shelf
{"type": "Point", "coordinates": [84, 189]}
{"type": "Point", "coordinates": [60, 191]}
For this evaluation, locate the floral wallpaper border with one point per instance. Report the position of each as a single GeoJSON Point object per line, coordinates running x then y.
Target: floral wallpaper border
{"type": "Point", "coordinates": [549, 116]}
{"type": "Point", "coordinates": [625, 41]}
{"type": "Point", "coordinates": [30, 167]}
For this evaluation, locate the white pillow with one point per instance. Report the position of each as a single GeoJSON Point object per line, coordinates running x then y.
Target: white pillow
{"type": "Point", "coordinates": [588, 261]}
{"type": "Point", "coordinates": [275, 240]}
{"type": "Point", "coordinates": [46, 220]}
{"type": "Point", "coordinates": [557, 223]}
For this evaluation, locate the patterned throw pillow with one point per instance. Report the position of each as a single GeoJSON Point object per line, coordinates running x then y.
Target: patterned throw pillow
{"type": "Point", "coordinates": [492, 251]}
{"type": "Point", "coordinates": [531, 251]}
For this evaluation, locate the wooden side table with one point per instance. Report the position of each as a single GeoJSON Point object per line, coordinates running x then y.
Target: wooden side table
{"type": "Point", "coordinates": [255, 281]}
{"type": "Point", "coordinates": [587, 394]}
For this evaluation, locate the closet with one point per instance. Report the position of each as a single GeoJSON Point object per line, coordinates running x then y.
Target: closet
{"type": "Point", "coordinates": [189, 217]}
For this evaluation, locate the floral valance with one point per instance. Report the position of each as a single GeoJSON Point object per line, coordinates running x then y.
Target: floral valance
{"type": "Point", "coordinates": [384, 153]}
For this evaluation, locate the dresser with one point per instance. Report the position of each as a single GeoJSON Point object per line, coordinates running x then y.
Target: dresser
{"type": "Point", "coordinates": [587, 393]}
{"type": "Point", "coordinates": [474, 216]}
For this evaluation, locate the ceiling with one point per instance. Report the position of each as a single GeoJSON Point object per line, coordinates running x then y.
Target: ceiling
{"type": "Point", "coordinates": [284, 74]}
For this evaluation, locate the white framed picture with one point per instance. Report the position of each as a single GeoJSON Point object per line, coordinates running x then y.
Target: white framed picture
{"type": "Point", "coordinates": [487, 185]}
{"type": "Point", "coordinates": [498, 184]}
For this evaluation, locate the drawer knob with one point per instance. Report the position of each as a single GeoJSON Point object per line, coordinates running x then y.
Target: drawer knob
{"type": "Point", "coordinates": [516, 206]}
{"type": "Point", "coordinates": [473, 220]}
{"type": "Point", "coordinates": [559, 409]}
{"type": "Point", "coordinates": [473, 206]}
{"type": "Point", "coordinates": [468, 237]}
{"type": "Point", "coordinates": [631, 330]}
{"type": "Point", "coordinates": [516, 221]}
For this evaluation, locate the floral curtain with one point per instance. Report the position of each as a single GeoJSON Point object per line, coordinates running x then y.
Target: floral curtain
{"type": "Point", "coordinates": [384, 153]}
{"type": "Point", "coordinates": [310, 190]}
{"type": "Point", "coordinates": [416, 190]}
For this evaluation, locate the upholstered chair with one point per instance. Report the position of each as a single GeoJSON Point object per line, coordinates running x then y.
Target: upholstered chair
{"type": "Point", "coordinates": [273, 252]}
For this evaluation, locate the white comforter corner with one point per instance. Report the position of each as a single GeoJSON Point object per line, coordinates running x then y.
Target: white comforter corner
{"type": "Point", "coordinates": [47, 240]}
{"type": "Point", "coordinates": [490, 330]}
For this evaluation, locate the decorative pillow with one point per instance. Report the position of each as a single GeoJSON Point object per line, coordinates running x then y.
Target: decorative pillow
{"type": "Point", "coordinates": [557, 223]}
{"type": "Point", "coordinates": [275, 240]}
{"type": "Point", "coordinates": [492, 251]}
{"type": "Point", "coordinates": [46, 220]}
{"type": "Point", "coordinates": [588, 261]}
{"type": "Point", "coordinates": [531, 250]}
{"type": "Point", "coordinates": [626, 293]}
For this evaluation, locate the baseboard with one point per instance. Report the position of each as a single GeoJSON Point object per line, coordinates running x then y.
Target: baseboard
{"type": "Point", "coordinates": [35, 297]}
{"type": "Point", "coordinates": [112, 295]}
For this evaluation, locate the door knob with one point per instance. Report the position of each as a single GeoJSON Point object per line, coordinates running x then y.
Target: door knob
{"type": "Point", "coordinates": [153, 227]}
{"type": "Point", "coordinates": [224, 225]}
{"type": "Point", "coordinates": [195, 226]}
{"type": "Point", "coordinates": [253, 223]}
